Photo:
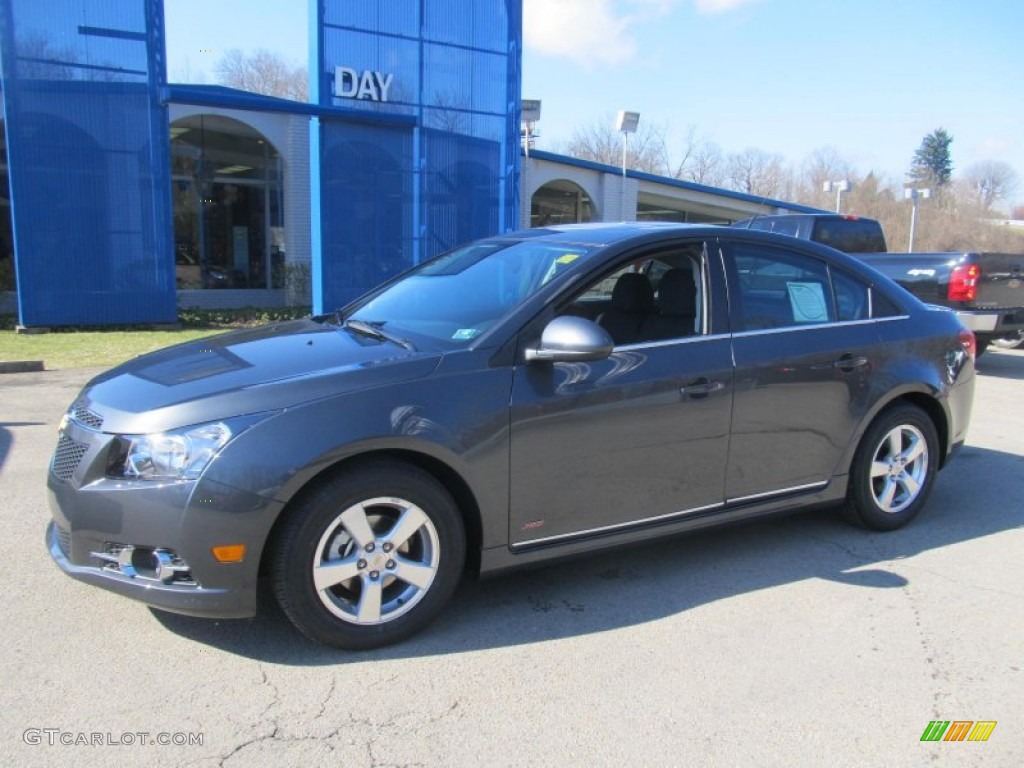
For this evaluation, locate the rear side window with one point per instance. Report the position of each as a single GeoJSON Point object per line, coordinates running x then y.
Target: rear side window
{"type": "Point", "coordinates": [850, 235]}
{"type": "Point", "coordinates": [883, 306]}
{"type": "Point", "coordinates": [852, 301]}
{"type": "Point", "coordinates": [780, 289]}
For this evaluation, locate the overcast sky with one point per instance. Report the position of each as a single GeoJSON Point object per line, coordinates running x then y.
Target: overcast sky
{"type": "Point", "coordinates": [869, 77]}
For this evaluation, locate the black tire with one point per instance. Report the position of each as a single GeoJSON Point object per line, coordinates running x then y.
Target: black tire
{"type": "Point", "coordinates": [1011, 343]}
{"type": "Point", "coordinates": [980, 346]}
{"type": "Point", "coordinates": [887, 500]}
{"type": "Point", "coordinates": [366, 569]}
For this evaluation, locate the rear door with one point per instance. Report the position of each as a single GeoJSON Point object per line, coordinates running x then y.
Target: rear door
{"type": "Point", "coordinates": [805, 348]}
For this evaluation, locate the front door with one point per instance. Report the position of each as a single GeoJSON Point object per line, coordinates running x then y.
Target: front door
{"type": "Point", "coordinates": [641, 437]}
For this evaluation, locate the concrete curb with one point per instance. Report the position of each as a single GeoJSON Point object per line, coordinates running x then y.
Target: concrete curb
{"type": "Point", "coordinates": [22, 366]}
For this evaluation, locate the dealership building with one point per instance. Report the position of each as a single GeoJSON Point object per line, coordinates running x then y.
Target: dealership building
{"type": "Point", "coordinates": [125, 197]}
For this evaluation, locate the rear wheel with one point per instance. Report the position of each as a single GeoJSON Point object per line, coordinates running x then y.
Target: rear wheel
{"type": "Point", "coordinates": [1014, 342]}
{"type": "Point", "coordinates": [893, 470]}
{"type": "Point", "coordinates": [369, 557]}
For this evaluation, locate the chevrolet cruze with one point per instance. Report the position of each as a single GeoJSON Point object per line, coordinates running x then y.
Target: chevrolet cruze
{"type": "Point", "coordinates": [523, 398]}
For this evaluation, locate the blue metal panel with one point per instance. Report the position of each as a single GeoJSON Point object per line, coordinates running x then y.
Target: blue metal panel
{"type": "Point", "coordinates": [462, 190]}
{"type": "Point", "coordinates": [88, 158]}
{"type": "Point", "coordinates": [390, 17]}
{"type": "Point", "coordinates": [483, 24]}
{"type": "Point", "coordinates": [390, 197]}
{"type": "Point", "coordinates": [366, 200]}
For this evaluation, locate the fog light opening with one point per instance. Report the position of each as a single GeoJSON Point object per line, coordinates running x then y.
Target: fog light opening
{"type": "Point", "coordinates": [145, 563]}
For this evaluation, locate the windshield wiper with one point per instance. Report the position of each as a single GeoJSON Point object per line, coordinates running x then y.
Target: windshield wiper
{"type": "Point", "coordinates": [374, 330]}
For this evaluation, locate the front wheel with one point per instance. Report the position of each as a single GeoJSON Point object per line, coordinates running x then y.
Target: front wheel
{"type": "Point", "coordinates": [369, 557]}
{"type": "Point", "coordinates": [893, 470]}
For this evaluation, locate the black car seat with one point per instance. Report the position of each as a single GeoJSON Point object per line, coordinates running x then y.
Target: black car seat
{"type": "Point", "coordinates": [632, 303]}
{"type": "Point", "coordinates": [677, 303]}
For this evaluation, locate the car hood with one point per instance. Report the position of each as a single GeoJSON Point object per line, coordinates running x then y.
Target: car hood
{"type": "Point", "coordinates": [245, 372]}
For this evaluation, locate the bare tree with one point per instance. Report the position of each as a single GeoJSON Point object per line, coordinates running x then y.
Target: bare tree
{"type": "Point", "coordinates": [701, 160]}
{"type": "Point", "coordinates": [755, 172]}
{"type": "Point", "coordinates": [187, 74]}
{"type": "Point", "coordinates": [263, 72]}
{"type": "Point", "coordinates": [823, 164]}
{"type": "Point", "coordinates": [990, 181]}
{"type": "Point", "coordinates": [707, 165]}
{"type": "Point", "coordinates": [601, 143]}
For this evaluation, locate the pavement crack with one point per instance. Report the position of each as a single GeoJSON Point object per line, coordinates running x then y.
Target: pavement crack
{"type": "Point", "coordinates": [326, 699]}
{"type": "Point", "coordinates": [861, 558]}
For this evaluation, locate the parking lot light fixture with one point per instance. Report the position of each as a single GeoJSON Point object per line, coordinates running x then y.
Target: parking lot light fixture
{"type": "Point", "coordinates": [838, 187]}
{"type": "Point", "coordinates": [913, 194]}
{"type": "Point", "coordinates": [530, 117]}
{"type": "Point", "coordinates": [625, 123]}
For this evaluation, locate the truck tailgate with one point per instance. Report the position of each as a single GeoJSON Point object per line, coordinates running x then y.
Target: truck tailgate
{"type": "Point", "coordinates": [1002, 281]}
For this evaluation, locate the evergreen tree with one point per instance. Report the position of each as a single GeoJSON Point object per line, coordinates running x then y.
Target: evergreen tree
{"type": "Point", "coordinates": [932, 164]}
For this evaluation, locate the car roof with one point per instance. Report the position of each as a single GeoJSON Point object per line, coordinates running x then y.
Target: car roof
{"type": "Point", "coordinates": [605, 233]}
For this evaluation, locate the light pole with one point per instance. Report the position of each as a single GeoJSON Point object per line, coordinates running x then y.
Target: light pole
{"type": "Point", "coordinates": [626, 123]}
{"type": "Point", "coordinates": [839, 187]}
{"type": "Point", "coordinates": [913, 195]}
{"type": "Point", "coordinates": [531, 115]}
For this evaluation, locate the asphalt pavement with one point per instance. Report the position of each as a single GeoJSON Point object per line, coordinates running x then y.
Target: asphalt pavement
{"type": "Point", "coordinates": [788, 642]}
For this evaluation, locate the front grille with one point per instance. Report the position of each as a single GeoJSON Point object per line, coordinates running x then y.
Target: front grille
{"type": "Point", "coordinates": [67, 457]}
{"type": "Point", "coordinates": [85, 417]}
{"type": "Point", "coordinates": [64, 540]}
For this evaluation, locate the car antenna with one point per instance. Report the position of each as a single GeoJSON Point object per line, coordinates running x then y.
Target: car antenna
{"type": "Point", "coordinates": [756, 216]}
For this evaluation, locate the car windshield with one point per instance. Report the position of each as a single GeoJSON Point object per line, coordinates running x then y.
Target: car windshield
{"type": "Point", "coordinates": [459, 295]}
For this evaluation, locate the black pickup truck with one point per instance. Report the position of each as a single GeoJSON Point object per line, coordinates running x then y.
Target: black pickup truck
{"type": "Point", "coordinates": [985, 289]}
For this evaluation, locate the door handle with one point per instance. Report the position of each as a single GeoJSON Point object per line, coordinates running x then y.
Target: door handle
{"type": "Point", "coordinates": [848, 362]}
{"type": "Point", "coordinates": [701, 387]}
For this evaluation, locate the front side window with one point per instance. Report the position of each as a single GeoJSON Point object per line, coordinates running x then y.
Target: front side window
{"type": "Point", "coordinates": [656, 298]}
{"type": "Point", "coordinates": [775, 288]}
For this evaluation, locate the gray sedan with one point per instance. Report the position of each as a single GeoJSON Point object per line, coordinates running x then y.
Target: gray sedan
{"type": "Point", "coordinates": [523, 398]}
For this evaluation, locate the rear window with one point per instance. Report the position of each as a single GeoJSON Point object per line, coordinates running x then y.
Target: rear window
{"type": "Point", "coordinates": [851, 235]}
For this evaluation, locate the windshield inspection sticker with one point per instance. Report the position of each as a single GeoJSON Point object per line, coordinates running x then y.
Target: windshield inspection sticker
{"type": "Point", "coordinates": [808, 302]}
{"type": "Point", "coordinates": [464, 334]}
{"type": "Point", "coordinates": [569, 258]}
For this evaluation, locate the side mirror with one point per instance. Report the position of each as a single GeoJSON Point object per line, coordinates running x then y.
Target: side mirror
{"type": "Point", "coordinates": [571, 339]}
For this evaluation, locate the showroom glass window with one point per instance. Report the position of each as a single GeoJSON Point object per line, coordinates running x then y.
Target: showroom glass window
{"type": "Point", "coordinates": [228, 205]}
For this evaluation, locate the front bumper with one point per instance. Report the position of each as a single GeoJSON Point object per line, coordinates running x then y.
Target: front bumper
{"type": "Point", "coordinates": [96, 517]}
{"type": "Point", "coordinates": [187, 599]}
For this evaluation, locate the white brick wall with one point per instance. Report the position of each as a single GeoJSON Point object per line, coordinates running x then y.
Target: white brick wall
{"type": "Point", "coordinates": [297, 214]}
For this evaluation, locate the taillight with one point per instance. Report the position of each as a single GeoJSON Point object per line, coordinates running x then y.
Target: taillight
{"type": "Point", "coordinates": [970, 344]}
{"type": "Point", "coordinates": [963, 282]}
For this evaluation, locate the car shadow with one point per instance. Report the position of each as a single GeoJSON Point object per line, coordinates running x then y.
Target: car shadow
{"type": "Point", "coordinates": [7, 436]}
{"type": "Point", "coordinates": [645, 583]}
{"type": "Point", "coordinates": [1004, 363]}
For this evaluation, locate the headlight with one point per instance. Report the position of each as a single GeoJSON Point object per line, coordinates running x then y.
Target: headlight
{"type": "Point", "coordinates": [178, 455]}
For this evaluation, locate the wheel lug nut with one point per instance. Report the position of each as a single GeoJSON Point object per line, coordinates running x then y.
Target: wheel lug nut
{"type": "Point", "coordinates": [361, 564]}
{"type": "Point", "coordinates": [391, 565]}
{"type": "Point", "coordinates": [374, 575]}
{"type": "Point", "coordinates": [387, 546]}
{"type": "Point", "coordinates": [370, 547]}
